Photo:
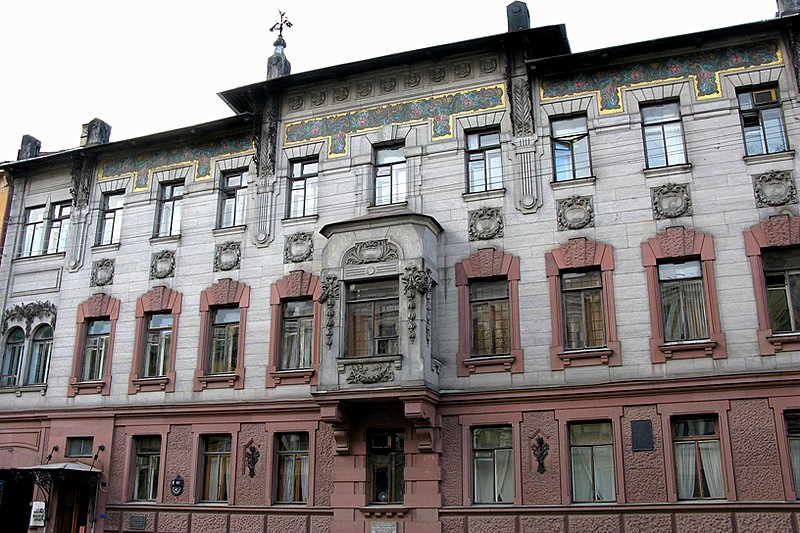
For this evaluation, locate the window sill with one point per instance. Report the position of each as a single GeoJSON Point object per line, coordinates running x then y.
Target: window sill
{"type": "Point", "coordinates": [165, 239]}
{"type": "Point", "coordinates": [58, 256]}
{"type": "Point", "coordinates": [150, 384]}
{"type": "Point", "coordinates": [489, 363]}
{"type": "Point", "coordinates": [384, 511]}
{"type": "Point", "coordinates": [399, 206]}
{"type": "Point", "coordinates": [574, 182]}
{"type": "Point", "coordinates": [218, 381]}
{"type": "Point", "coordinates": [706, 347]}
{"type": "Point", "coordinates": [88, 387]}
{"type": "Point", "coordinates": [17, 390]}
{"type": "Point", "coordinates": [483, 195]}
{"type": "Point", "coordinates": [231, 230]}
{"type": "Point", "coordinates": [111, 247]}
{"type": "Point", "coordinates": [769, 158]}
{"type": "Point", "coordinates": [292, 377]}
{"type": "Point", "coordinates": [670, 170]}
{"type": "Point", "coordinates": [600, 355]}
{"type": "Point", "coordinates": [296, 221]}
{"type": "Point", "coordinates": [778, 340]}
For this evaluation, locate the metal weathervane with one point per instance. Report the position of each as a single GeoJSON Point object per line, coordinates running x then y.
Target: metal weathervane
{"type": "Point", "coordinates": [283, 23]}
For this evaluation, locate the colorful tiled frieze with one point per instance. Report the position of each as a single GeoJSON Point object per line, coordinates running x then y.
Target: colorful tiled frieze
{"type": "Point", "coordinates": [705, 68]}
{"type": "Point", "coordinates": [440, 110]}
{"type": "Point", "coordinates": [203, 155]}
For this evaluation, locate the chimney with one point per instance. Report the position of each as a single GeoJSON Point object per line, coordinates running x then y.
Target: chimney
{"type": "Point", "coordinates": [29, 148]}
{"type": "Point", "coordinates": [95, 132]}
{"type": "Point", "coordinates": [518, 16]}
{"type": "Point", "coordinates": [788, 7]}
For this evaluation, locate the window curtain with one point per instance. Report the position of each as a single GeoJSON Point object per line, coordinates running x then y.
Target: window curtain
{"type": "Point", "coordinates": [303, 478]}
{"type": "Point", "coordinates": [504, 470]}
{"type": "Point", "coordinates": [287, 478]}
{"type": "Point", "coordinates": [582, 474]}
{"type": "Point", "coordinates": [685, 466]}
{"type": "Point", "coordinates": [794, 454]}
{"type": "Point", "coordinates": [604, 489]}
{"type": "Point", "coordinates": [712, 468]}
{"type": "Point", "coordinates": [484, 478]}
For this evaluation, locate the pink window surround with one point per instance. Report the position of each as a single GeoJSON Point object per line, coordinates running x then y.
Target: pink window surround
{"type": "Point", "coordinates": [678, 410]}
{"type": "Point", "coordinates": [565, 417]}
{"type": "Point", "coordinates": [679, 243]}
{"type": "Point", "coordinates": [132, 432]}
{"type": "Point", "coordinates": [779, 231]}
{"type": "Point", "coordinates": [270, 464]}
{"type": "Point", "coordinates": [483, 264]}
{"type": "Point", "coordinates": [578, 254]}
{"type": "Point", "coordinates": [224, 293]}
{"type": "Point", "coordinates": [194, 485]}
{"type": "Point", "coordinates": [297, 285]}
{"type": "Point", "coordinates": [157, 300]}
{"type": "Point", "coordinates": [780, 406]}
{"type": "Point", "coordinates": [99, 306]}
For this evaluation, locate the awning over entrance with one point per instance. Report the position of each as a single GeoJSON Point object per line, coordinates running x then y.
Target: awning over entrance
{"type": "Point", "coordinates": [74, 466]}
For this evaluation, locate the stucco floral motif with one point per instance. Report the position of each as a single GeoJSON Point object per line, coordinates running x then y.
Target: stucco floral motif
{"type": "Point", "coordinates": [488, 65]}
{"type": "Point", "coordinates": [340, 94]}
{"type": "Point", "coordinates": [370, 373]}
{"type": "Point", "coordinates": [298, 248]}
{"type": "Point", "coordinates": [416, 281]}
{"type": "Point", "coordinates": [371, 252]}
{"type": "Point", "coordinates": [364, 89]}
{"type": "Point", "coordinates": [162, 264]}
{"type": "Point", "coordinates": [438, 74]}
{"type": "Point", "coordinates": [413, 79]}
{"type": "Point", "coordinates": [227, 256]}
{"type": "Point", "coordinates": [388, 85]}
{"type": "Point", "coordinates": [329, 297]}
{"type": "Point", "coordinates": [773, 189]}
{"type": "Point", "coordinates": [102, 273]}
{"type": "Point", "coordinates": [462, 70]}
{"type": "Point", "coordinates": [671, 201]}
{"type": "Point", "coordinates": [29, 312]}
{"type": "Point", "coordinates": [296, 102]}
{"type": "Point", "coordinates": [485, 223]}
{"type": "Point", "coordinates": [575, 213]}
{"type": "Point", "coordinates": [318, 98]}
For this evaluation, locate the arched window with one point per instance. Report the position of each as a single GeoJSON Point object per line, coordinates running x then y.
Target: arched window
{"type": "Point", "coordinates": [12, 358]}
{"type": "Point", "coordinates": [39, 362]}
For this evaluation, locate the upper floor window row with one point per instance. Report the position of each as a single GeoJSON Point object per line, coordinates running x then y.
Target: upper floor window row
{"type": "Point", "coordinates": [109, 226]}
{"type": "Point", "coordinates": [484, 161]}
{"type": "Point", "coordinates": [46, 229]}
{"type": "Point", "coordinates": [663, 134]}
{"type": "Point", "coordinates": [763, 125]}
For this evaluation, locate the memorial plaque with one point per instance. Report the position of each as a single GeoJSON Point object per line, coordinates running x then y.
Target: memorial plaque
{"type": "Point", "coordinates": [383, 527]}
{"type": "Point", "coordinates": [137, 522]}
{"type": "Point", "coordinates": [642, 433]}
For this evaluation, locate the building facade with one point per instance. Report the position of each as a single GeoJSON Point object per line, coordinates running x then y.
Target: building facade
{"type": "Point", "coordinates": [490, 285]}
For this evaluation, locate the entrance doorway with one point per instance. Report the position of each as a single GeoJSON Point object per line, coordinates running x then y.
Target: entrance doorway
{"type": "Point", "coordinates": [72, 512]}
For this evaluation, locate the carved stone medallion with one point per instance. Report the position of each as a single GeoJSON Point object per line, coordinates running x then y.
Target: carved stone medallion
{"type": "Point", "coordinates": [388, 84]}
{"type": "Point", "coordinates": [227, 256]}
{"type": "Point", "coordinates": [298, 248]}
{"type": "Point", "coordinates": [438, 74]}
{"type": "Point", "coordinates": [364, 89]}
{"type": "Point", "coordinates": [296, 102]}
{"type": "Point", "coordinates": [671, 201]}
{"type": "Point", "coordinates": [340, 94]}
{"type": "Point", "coordinates": [102, 273]}
{"type": "Point", "coordinates": [488, 65]}
{"type": "Point", "coordinates": [413, 79]}
{"type": "Point", "coordinates": [162, 264]}
{"type": "Point", "coordinates": [463, 70]}
{"type": "Point", "coordinates": [371, 252]}
{"type": "Point", "coordinates": [318, 98]}
{"type": "Point", "coordinates": [485, 223]}
{"type": "Point", "coordinates": [575, 213]}
{"type": "Point", "coordinates": [773, 189]}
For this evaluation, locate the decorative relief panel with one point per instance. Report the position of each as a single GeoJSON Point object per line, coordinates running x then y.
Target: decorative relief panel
{"type": "Point", "coordinates": [227, 256]}
{"type": "Point", "coordinates": [371, 252]}
{"type": "Point", "coordinates": [523, 118]}
{"type": "Point", "coordinates": [298, 248]}
{"type": "Point", "coordinates": [368, 373]}
{"type": "Point", "coordinates": [417, 281]}
{"type": "Point", "coordinates": [413, 79]}
{"type": "Point", "coordinates": [27, 313]}
{"type": "Point", "coordinates": [162, 264]}
{"type": "Point", "coordinates": [575, 213]}
{"type": "Point", "coordinates": [703, 67]}
{"type": "Point", "coordinates": [671, 201]}
{"type": "Point", "coordinates": [774, 189]}
{"type": "Point", "coordinates": [440, 110]}
{"type": "Point", "coordinates": [341, 94]}
{"type": "Point", "coordinates": [438, 74]}
{"type": "Point", "coordinates": [102, 273]}
{"type": "Point", "coordinates": [317, 98]}
{"type": "Point", "coordinates": [388, 84]}
{"type": "Point", "coordinates": [485, 223]}
{"type": "Point", "coordinates": [463, 70]}
{"type": "Point", "coordinates": [328, 298]}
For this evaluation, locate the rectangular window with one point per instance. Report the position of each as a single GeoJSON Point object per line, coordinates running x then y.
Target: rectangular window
{"type": "Point", "coordinates": [373, 315]}
{"type": "Point", "coordinates": [168, 221]}
{"type": "Point", "coordinates": [292, 470]}
{"type": "Point", "coordinates": [698, 465]}
{"type": "Point", "coordinates": [782, 276]}
{"type": "Point", "coordinates": [484, 161]}
{"type": "Point", "coordinates": [493, 465]}
{"type": "Point", "coordinates": [33, 233]}
{"type": "Point", "coordinates": [584, 324]}
{"type": "Point", "coordinates": [224, 340]}
{"type": "Point", "coordinates": [98, 334]}
{"type": "Point", "coordinates": [233, 200]}
{"type": "Point", "coordinates": [79, 447]}
{"type": "Point", "coordinates": [386, 464]}
{"type": "Point", "coordinates": [793, 433]}
{"type": "Point", "coordinates": [591, 455]}
{"type": "Point", "coordinates": [216, 468]}
{"type": "Point", "coordinates": [110, 225]}
{"type": "Point", "coordinates": [42, 347]}
{"type": "Point", "coordinates": [298, 334]}
{"type": "Point", "coordinates": [390, 175]}
{"type": "Point", "coordinates": [490, 320]}
{"type": "Point", "coordinates": [663, 134]}
{"type": "Point", "coordinates": [302, 189]}
{"type": "Point", "coordinates": [12, 357]}
{"type": "Point", "coordinates": [570, 148]}
{"type": "Point", "coordinates": [762, 121]}
{"type": "Point", "coordinates": [157, 347]}
{"type": "Point", "coordinates": [682, 301]}
{"type": "Point", "coordinates": [58, 227]}
{"type": "Point", "coordinates": [147, 461]}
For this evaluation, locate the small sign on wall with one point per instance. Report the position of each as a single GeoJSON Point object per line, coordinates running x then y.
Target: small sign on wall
{"type": "Point", "coordinates": [37, 514]}
{"type": "Point", "coordinates": [642, 435]}
{"type": "Point", "coordinates": [383, 527]}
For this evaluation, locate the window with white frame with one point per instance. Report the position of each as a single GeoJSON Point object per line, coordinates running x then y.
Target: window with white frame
{"type": "Point", "coordinates": [373, 318]}
{"type": "Point", "coordinates": [793, 434]}
{"type": "Point", "coordinates": [292, 471]}
{"type": "Point", "coordinates": [58, 227]}
{"type": "Point", "coordinates": [698, 464]}
{"type": "Point", "coordinates": [682, 301]}
{"type": "Point", "coordinates": [591, 453]}
{"type": "Point", "coordinates": [39, 360]}
{"type": "Point", "coordinates": [391, 185]}
{"type": "Point", "coordinates": [33, 232]}
{"type": "Point", "coordinates": [147, 450]}
{"type": "Point", "coordinates": [168, 219]}
{"type": "Point", "coordinates": [386, 460]}
{"type": "Point", "coordinates": [109, 226]}
{"type": "Point", "coordinates": [663, 134]}
{"type": "Point", "coordinates": [224, 340]}
{"type": "Point", "coordinates": [98, 334]}
{"type": "Point", "coordinates": [493, 465]}
{"type": "Point", "coordinates": [232, 199]}
{"type": "Point", "coordinates": [484, 161]}
{"type": "Point", "coordinates": [297, 323]}
{"type": "Point", "coordinates": [158, 345]}
{"type": "Point", "coordinates": [570, 137]}
{"type": "Point", "coordinates": [763, 126]}
{"type": "Point", "coordinates": [216, 460]}
{"type": "Point", "coordinates": [302, 188]}
{"type": "Point", "coordinates": [12, 357]}
{"type": "Point", "coordinates": [582, 296]}
{"type": "Point", "coordinates": [46, 234]}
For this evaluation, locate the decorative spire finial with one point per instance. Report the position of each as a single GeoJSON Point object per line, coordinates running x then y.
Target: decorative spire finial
{"type": "Point", "coordinates": [282, 23]}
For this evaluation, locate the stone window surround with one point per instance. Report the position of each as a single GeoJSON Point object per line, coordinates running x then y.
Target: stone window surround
{"type": "Point", "coordinates": [296, 285]}
{"type": "Point", "coordinates": [158, 299]}
{"type": "Point", "coordinates": [98, 306]}
{"type": "Point", "coordinates": [483, 264]}
{"type": "Point", "coordinates": [225, 292]}
{"type": "Point", "coordinates": [128, 474]}
{"type": "Point", "coordinates": [270, 458]}
{"type": "Point", "coordinates": [679, 243]}
{"type": "Point", "coordinates": [195, 482]}
{"type": "Point", "coordinates": [582, 253]}
{"type": "Point", "coordinates": [779, 407]}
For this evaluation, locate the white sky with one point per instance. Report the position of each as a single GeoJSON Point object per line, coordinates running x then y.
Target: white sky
{"type": "Point", "coordinates": [150, 66]}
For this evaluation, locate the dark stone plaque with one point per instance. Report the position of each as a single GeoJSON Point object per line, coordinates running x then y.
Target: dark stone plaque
{"type": "Point", "coordinates": [642, 433]}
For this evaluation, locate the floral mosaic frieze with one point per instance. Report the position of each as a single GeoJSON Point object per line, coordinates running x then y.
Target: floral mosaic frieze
{"type": "Point", "coordinates": [440, 110]}
{"type": "Point", "coordinates": [203, 154]}
{"type": "Point", "coordinates": [704, 68]}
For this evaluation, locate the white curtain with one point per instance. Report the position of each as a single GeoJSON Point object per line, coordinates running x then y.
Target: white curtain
{"type": "Point", "coordinates": [794, 454]}
{"type": "Point", "coordinates": [604, 474]}
{"type": "Point", "coordinates": [712, 468]}
{"type": "Point", "coordinates": [484, 479]}
{"type": "Point", "coordinates": [304, 478]}
{"type": "Point", "coordinates": [582, 474]}
{"type": "Point", "coordinates": [504, 464]}
{"type": "Point", "coordinates": [288, 479]}
{"type": "Point", "coordinates": [685, 463]}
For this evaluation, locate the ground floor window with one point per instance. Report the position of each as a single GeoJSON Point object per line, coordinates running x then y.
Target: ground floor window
{"type": "Point", "coordinates": [386, 464]}
{"type": "Point", "coordinates": [493, 465]}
